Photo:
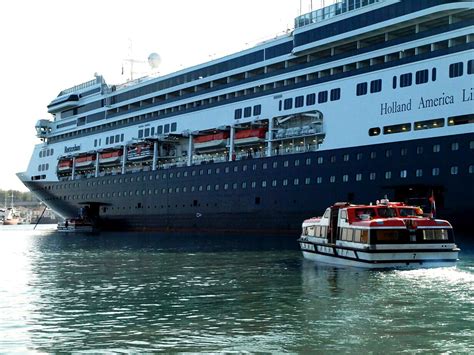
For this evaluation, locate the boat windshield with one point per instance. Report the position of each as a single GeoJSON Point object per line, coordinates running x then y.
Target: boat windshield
{"type": "Point", "coordinates": [386, 212]}
{"type": "Point", "coordinates": [409, 212]}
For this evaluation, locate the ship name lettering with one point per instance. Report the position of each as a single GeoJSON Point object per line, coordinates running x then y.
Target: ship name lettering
{"type": "Point", "coordinates": [467, 96]}
{"type": "Point", "coordinates": [435, 102]}
{"type": "Point", "coordinates": [74, 148]}
{"type": "Point", "coordinates": [395, 107]}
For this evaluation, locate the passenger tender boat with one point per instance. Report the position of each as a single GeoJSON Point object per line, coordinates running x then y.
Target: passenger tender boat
{"type": "Point", "coordinates": [384, 235]}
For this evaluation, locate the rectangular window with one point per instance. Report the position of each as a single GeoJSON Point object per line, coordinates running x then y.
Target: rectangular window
{"type": "Point", "coordinates": [288, 104]}
{"type": "Point", "coordinates": [117, 138]}
{"type": "Point", "coordinates": [174, 127]}
{"type": "Point", "coordinates": [167, 128]}
{"type": "Point", "coordinates": [421, 77]}
{"type": "Point", "coordinates": [459, 120]}
{"type": "Point", "coordinates": [400, 128]}
{"type": "Point", "coordinates": [152, 131]}
{"type": "Point", "coordinates": [406, 80]}
{"type": "Point", "coordinates": [361, 89]}
{"type": "Point", "coordinates": [238, 114]}
{"type": "Point", "coordinates": [394, 82]}
{"type": "Point", "coordinates": [112, 140]}
{"type": "Point", "coordinates": [147, 132]}
{"type": "Point", "coordinates": [140, 135]}
{"type": "Point", "coordinates": [257, 110]}
{"type": "Point", "coordinates": [456, 70]}
{"type": "Point", "coordinates": [247, 112]}
{"type": "Point", "coordinates": [335, 94]}
{"type": "Point", "coordinates": [470, 67]}
{"type": "Point", "coordinates": [323, 97]}
{"type": "Point", "coordinates": [433, 74]}
{"type": "Point", "coordinates": [437, 123]}
{"type": "Point", "coordinates": [310, 99]}
{"type": "Point", "coordinates": [376, 86]}
{"type": "Point", "coordinates": [299, 101]}
{"type": "Point", "coordinates": [159, 130]}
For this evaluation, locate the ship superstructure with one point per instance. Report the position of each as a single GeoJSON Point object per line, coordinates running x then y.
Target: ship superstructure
{"type": "Point", "coordinates": [362, 99]}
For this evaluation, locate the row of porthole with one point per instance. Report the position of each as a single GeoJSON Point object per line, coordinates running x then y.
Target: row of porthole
{"type": "Point", "coordinates": [46, 152]}
{"type": "Point", "coordinates": [388, 175]}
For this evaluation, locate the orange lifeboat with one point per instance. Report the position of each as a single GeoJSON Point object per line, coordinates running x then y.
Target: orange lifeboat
{"type": "Point", "coordinates": [250, 136]}
{"type": "Point", "coordinates": [211, 141]}
{"type": "Point", "coordinates": [111, 157]}
{"type": "Point", "coordinates": [65, 165]}
{"type": "Point", "coordinates": [85, 161]}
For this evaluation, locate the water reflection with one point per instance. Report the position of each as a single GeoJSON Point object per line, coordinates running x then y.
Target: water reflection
{"type": "Point", "coordinates": [138, 292]}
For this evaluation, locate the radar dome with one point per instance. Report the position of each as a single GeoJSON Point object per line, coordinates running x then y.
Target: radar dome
{"type": "Point", "coordinates": [154, 60]}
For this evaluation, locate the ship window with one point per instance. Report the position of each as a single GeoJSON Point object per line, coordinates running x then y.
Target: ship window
{"type": "Point", "coordinates": [421, 77]}
{"type": "Point", "coordinates": [406, 127]}
{"type": "Point", "coordinates": [394, 82]}
{"type": "Point", "coordinates": [403, 152]}
{"type": "Point", "coordinates": [333, 158]}
{"type": "Point", "coordinates": [307, 181]}
{"type": "Point", "coordinates": [456, 70]}
{"type": "Point", "coordinates": [257, 110]}
{"type": "Point", "coordinates": [274, 183]}
{"type": "Point", "coordinates": [433, 74]}
{"type": "Point", "coordinates": [288, 104]}
{"type": "Point", "coordinates": [470, 67]}
{"type": "Point", "coordinates": [167, 128]}
{"type": "Point", "coordinates": [319, 180]}
{"type": "Point", "coordinates": [332, 179]}
{"type": "Point", "coordinates": [373, 155]}
{"type": "Point", "coordinates": [140, 135]}
{"type": "Point", "coordinates": [244, 168]}
{"type": "Point", "coordinates": [238, 114]}
{"type": "Point", "coordinates": [419, 150]}
{"type": "Point", "coordinates": [200, 188]}
{"type": "Point", "coordinates": [322, 97]}
{"type": "Point", "coordinates": [254, 184]}
{"type": "Point", "coordinates": [345, 178]}
{"type": "Point", "coordinates": [437, 123]}
{"type": "Point", "coordinates": [459, 120]}
{"type": "Point", "coordinates": [454, 146]}
{"type": "Point", "coordinates": [297, 162]}
{"type": "Point", "coordinates": [320, 160]}
{"type": "Point", "coordinates": [308, 161]}
{"type": "Point", "coordinates": [275, 164]}
{"type": "Point", "coordinates": [388, 153]}
{"type": "Point", "coordinates": [346, 157]}
{"type": "Point", "coordinates": [376, 86]}
{"type": "Point", "coordinates": [264, 183]}
{"type": "Point", "coordinates": [454, 170]}
{"type": "Point", "coordinates": [403, 174]}
{"type": "Point", "coordinates": [335, 94]}
{"type": "Point", "coordinates": [285, 163]}
{"type": "Point", "coordinates": [361, 89]}
{"type": "Point", "coordinates": [310, 99]}
{"type": "Point", "coordinates": [359, 177]}
{"type": "Point", "coordinates": [436, 148]}
{"type": "Point", "coordinates": [299, 101]}
{"type": "Point", "coordinates": [374, 131]}
{"type": "Point", "coordinates": [285, 182]}
{"type": "Point", "coordinates": [244, 185]}
{"type": "Point", "coordinates": [174, 127]}
{"type": "Point", "coordinates": [372, 176]}
{"type": "Point", "coordinates": [159, 130]}
{"type": "Point", "coordinates": [471, 145]}
{"type": "Point", "coordinates": [147, 132]}
{"type": "Point", "coordinates": [152, 131]}
{"type": "Point", "coordinates": [247, 112]}
{"type": "Point", "coordinates": [471, 169]}
{"type": "Point", "coordinates": [419, 172]}
{"type": "Point", "coordinates": [296, 181]}
{"type": "Point", "coordinates": [388, 175]}
{"type": "Point", "coordinates": [107, 138]}
{"type": "Point", "coordinates": [406, 80]}
{"type": "Point", "coordinates": [435, 172]}
{"type": "Point", "coordinates": [279, 105]}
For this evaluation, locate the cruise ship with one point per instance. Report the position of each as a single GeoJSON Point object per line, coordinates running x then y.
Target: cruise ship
{"type": "Point", "coordinates": [363, 99]}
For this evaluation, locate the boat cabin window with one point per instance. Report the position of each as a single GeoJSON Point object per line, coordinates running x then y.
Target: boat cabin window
{"type": "Point", "coordinates": [327, 213]}
{"type": "Point", "coordinates": [386, 212]}
{"type": "Point", "coordinates": [409, 212]}
{"type": "Point", "coordinates": [389, 236]}
{"type": "Point", "coordinates": [344, 215]}
{"type": "Point", "coordinates": [435, 234]}
{"type": "Point", "coordinates": [364, 214]}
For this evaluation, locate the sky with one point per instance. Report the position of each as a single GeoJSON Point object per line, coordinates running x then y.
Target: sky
{"type": "Point", "coordinates": [51, 45]}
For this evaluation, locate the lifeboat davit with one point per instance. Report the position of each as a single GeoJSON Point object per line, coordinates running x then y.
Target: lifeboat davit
{"type": "Point", "coordinates": [209, 141]}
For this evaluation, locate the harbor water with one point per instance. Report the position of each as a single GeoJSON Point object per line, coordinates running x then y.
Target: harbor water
{"type": "Point", "coordinates": [138, 292]}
